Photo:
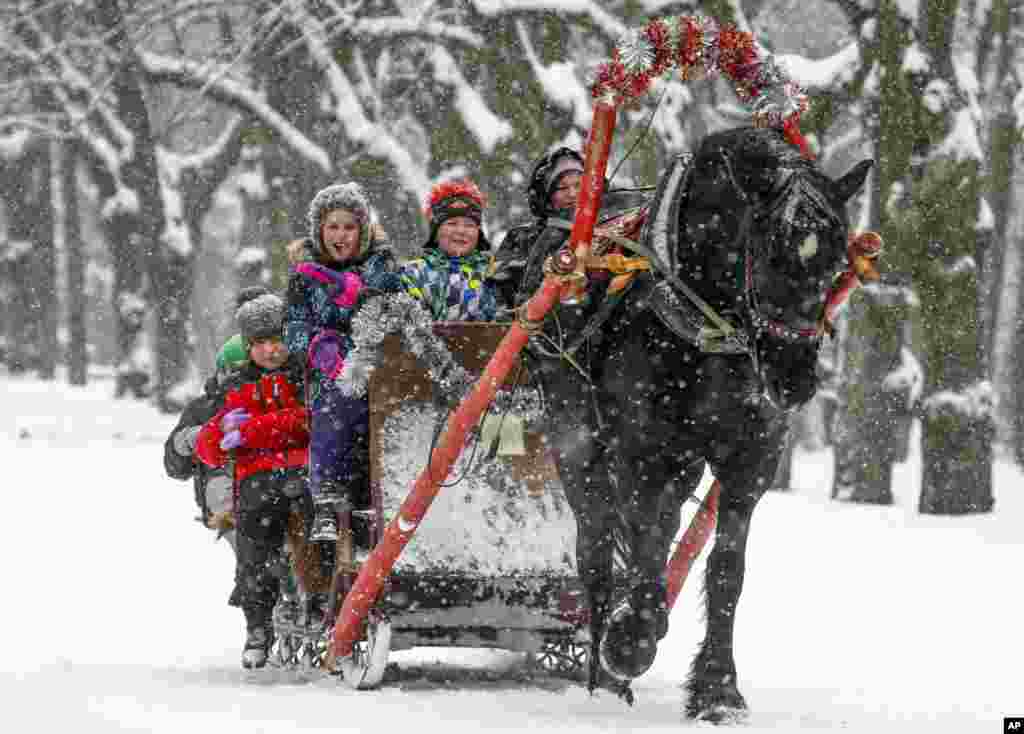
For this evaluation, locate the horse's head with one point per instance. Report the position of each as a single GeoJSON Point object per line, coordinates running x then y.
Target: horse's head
{"type": "Point", "coordinates": [789, 237]}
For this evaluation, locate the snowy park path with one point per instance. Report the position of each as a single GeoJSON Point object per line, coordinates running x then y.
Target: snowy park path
{"type": "Point", "coordinates": [862, 619]}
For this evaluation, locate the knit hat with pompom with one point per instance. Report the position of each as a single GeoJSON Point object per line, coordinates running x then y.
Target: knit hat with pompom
{"type": "Point", "coordinates": [261, 318]}
{"type": "Point", "coordinates": [450, 199]}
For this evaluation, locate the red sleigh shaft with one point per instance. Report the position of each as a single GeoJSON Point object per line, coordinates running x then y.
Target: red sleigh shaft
{"type": "Point", "coordinates": [588, 204]}
{"type": "Point", "coordinates": [691, 544]}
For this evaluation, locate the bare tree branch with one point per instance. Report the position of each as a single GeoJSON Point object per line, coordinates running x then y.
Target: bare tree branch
{"type": "Point", "coordinates": [235, 94]}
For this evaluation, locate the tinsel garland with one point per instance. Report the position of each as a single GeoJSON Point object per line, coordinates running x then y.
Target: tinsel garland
{"type": "Point", "coordinates": [401, 313]}
{"type": "Point", "coordinates": [698, 46]}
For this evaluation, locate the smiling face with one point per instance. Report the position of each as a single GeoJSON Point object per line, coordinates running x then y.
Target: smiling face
{"type": "Point", "coordinates": [340, 233]}
{"type": "Point", "coordinates": [566, 190]}
{"type": "Point", "coordinates": [269, 354]}
{"type": "Point", "coordinates": [458, 236]}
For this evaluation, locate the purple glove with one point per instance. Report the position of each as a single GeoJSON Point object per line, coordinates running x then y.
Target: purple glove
{"type": "Point", "coordinates": [231, 440]}
{"type": "Point", "coordinates": [233, 420]}
{"type": "Point", "coordinates": [343, 288]}
{"type": "Point", "coordinates": [325, 353]}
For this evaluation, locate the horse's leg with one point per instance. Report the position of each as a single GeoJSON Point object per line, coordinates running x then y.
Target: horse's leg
{"type": "Point", "coordinates": [588, 491]}
{"type": "Point", "coordinates": [584, 473]}
{"type": "Point", "coordinates": [652, 520]}
{"type": "Point", "coordinates": [712, 687]}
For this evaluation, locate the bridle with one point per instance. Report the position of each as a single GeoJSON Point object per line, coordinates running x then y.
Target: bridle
{"type": "Point", "coordinates": [757, 324]}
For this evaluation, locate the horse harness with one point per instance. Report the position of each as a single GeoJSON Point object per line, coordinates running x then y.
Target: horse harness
{"type": "Point", "coordinates": [694, 320]}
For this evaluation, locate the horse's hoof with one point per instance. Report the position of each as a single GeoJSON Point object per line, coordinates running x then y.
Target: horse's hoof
{"type": "Point", "coordinates": [629, 645]}
{"type": "Point", "coordinates": [722, 715]}
{"type": "Point", "coordinates": [723, 705]}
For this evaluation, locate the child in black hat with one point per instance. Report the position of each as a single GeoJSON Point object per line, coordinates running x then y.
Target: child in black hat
{"type": "Point", "coordinates": [450, 278]}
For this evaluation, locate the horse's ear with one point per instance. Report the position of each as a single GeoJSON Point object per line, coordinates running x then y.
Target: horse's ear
{"type": "Point", "coordinates": [850, 184]}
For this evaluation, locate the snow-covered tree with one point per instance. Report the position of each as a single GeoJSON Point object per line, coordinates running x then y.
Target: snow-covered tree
{"type": "Point", "coordinates": [937, 230]}
{"type": "Point", "coordinates": [80, 62]}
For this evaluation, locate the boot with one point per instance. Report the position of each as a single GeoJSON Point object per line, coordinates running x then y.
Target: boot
{"type": "Point", "coordinates": [259, 635]}
{"type": "Point", "coordinates": [326, 505]}
{"type": "Point", "coordinates": [325, 521]}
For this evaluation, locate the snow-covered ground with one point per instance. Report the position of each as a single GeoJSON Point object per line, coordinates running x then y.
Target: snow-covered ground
{"type": "Point", "coordinates": [114, 614]}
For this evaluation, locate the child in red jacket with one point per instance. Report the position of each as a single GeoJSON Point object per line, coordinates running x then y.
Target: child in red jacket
{"type": "Point", "coordinates": [262, 429]}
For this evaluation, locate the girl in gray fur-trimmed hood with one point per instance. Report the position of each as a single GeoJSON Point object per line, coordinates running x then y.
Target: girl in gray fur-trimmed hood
{"type": "Point", "coordinates": [341, 257]}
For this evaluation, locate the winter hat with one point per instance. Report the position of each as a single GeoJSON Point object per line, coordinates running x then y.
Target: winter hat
{"type": "Point", "coordinates": [348, 196]}
{"type": "Point", "coordinates": [451, 199]}
{"type": "Point", "coordinates": [248, 293]}
{"type": "Point", "coordinates": [261, 318]}
{"type": "Point", "coordinates": [545, 175]}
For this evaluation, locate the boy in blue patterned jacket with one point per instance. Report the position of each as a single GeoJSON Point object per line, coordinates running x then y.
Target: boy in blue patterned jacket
{"type": "Point", "coordinates": [450, 278]}
{"type": "Point", "coordinates": [339, 258]}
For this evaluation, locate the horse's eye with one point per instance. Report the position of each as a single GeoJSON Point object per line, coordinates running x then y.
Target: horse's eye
{"type": "Point", "coordinates": [809, 247]}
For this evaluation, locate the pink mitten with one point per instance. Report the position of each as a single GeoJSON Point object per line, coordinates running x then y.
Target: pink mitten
{"type": "Point", "coordinates": [342, 288]}
{"type": "Point", "coordinates": [351, 285]}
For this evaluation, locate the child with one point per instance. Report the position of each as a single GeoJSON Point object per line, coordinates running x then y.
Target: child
{"type": "Point", "coordinates": [340, 257]}
{"type": "Point", "coordinates": [262, 428]}
{"type": "Point", "coordinates": [213, 492]}
{"type": "Point", "coordinates": [233, 355]}
{"type": "Point", "coordinates": [450, 278]}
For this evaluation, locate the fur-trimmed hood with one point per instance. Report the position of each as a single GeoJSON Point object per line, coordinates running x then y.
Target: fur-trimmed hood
{"type": "Point", "coordinates": [348, 196]}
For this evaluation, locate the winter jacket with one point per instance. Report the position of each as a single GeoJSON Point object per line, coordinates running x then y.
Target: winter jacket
{"type": "Point", "coordinates": [310, 308]}
{"type": "Point", "coordinates": [276, 435]}
{"type": "Point", "coordinates": [517, 268]}
{"type": "Point", "coordinates": [517, 256]}
{"type": "Point", "coordinates": [452, 288]}
{"type": "Point", "coordinates": [195, 414]}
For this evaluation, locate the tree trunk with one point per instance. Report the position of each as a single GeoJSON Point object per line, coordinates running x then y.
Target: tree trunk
{"type": "Point", "coordinates": [45, 276]}
{"type": "Point", "coordinates": [139, 226]}
{"type": "Point", "coordinates": [957, 461]}
{"type": "Point", "coordinates": [29, 256]}
{"type": "Point", "coordinates": [78, 353]}
{"type": "Point", "coordinates": [872, 427]}
{"type": "Point", "coordinates": [1009, 354]}
{"type": "Point", "coordinates": [1002, 192]}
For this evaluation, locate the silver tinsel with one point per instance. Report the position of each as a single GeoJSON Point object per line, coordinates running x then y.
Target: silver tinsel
{"type": "Point", "coordinates": [399, 313]}
{"type": "Point", "coordinates": [636, 52]}
{"type": "Point", "coordinates": [775, 103]}
{"type": "Point", "coordinates": [402, 314]}
{"type": "Point", "coordinates": [769, 73]}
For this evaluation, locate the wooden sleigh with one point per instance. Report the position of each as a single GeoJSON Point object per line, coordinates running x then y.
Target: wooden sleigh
{"type": "Point", "coordinates": [494, 564]}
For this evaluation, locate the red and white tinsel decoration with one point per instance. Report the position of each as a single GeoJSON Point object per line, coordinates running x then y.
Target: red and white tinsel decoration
{"type": "Point", "coordinates": [697, 46]}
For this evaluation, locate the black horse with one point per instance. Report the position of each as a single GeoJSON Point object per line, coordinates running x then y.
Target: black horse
{"type": "Point", "coordinates": [702, 361]}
